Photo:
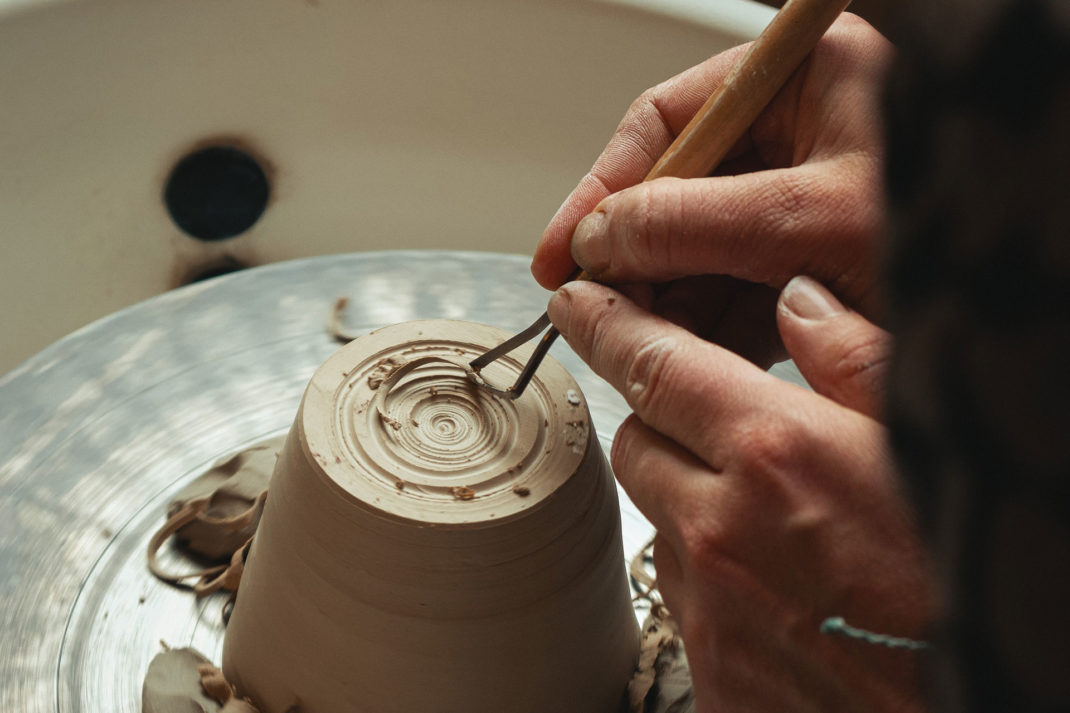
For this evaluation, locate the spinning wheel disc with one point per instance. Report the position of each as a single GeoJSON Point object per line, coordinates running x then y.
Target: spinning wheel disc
{"type": "Point", "coordinates": [101, 429]}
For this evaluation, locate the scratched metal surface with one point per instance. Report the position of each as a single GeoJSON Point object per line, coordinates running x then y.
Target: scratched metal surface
{"type": "Point", "coordinates": [98, 431]}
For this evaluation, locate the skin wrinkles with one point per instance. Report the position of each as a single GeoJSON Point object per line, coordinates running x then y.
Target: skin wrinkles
{"type": "Point", "coordinates": [772, 517]}
{"type": "Point", "coordinates": [775, 506]}
{"type": "Point", "coordinates": [650, 374]}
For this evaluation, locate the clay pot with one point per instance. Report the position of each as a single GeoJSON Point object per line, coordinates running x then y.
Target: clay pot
{"type": "Point", "coordinates": [428, 546]}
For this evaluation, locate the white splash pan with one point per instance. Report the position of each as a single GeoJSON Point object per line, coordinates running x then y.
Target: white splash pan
{"type": "Point", "coordinates": [456, 124]}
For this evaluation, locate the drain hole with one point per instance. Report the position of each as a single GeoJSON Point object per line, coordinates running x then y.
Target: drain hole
{"type": "Point", "coordinates": [216, 193]}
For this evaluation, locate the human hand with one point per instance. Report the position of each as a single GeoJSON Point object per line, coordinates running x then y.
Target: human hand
{"type": "Point", "coordinates": [775, 507]}
{"type": "Point", "coordinates": [712, 253]}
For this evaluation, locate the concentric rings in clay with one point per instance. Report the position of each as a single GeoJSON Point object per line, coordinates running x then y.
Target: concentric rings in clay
{"type": "Point", "coordinates": [421, 435]}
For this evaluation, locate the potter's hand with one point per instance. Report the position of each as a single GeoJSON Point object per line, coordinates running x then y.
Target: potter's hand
{"type": "Point", "coordinates": [776, 507]}
{"type": "Point", "coordinates": [806, 199]}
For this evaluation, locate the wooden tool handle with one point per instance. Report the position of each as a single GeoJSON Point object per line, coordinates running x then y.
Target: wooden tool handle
{"type": "Point", "coordinates": [748, 88]}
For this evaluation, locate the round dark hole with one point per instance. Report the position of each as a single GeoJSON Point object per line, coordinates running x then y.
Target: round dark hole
{"type": "Point", "coordinates": [216, 193]}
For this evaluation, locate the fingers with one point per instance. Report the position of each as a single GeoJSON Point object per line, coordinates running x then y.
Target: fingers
{"type": "Point", "coordinates": [840, 354]}
{"type": "Point", "coordinates": [667, 565]}
{"type": "Point", "coordinates": [660, 477]}
{"type": "Point", "coordinates": [763, 227]}
{"type": "Point", "coordinates": [647, 129]}
{"type": "Point", "coordinates": [821, 131]}
{"type": "Point", "coordinates": [675, 382]}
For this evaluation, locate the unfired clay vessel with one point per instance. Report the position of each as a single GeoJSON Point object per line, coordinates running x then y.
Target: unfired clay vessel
{"type": "Point", "coordinates": [429, 546]}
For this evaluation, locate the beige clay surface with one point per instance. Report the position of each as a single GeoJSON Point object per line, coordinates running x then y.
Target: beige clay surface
{"type": "Point", "coordinates": [428, 546]}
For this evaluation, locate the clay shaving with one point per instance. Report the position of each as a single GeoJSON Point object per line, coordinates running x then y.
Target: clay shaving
{"type": "Point", "coordinates": [392, 422]}
{"type": "Point", "coordinates": [381, 372]}
{"type": "Point", "coordinates": [334, 321]}
{"type": "Point", "coordinates": [172, 684]}
{"type": "Point", "coordinates": [521, 490]}
{"type": "Point", "coordinates": [662, 679]}
{"type": "Point", "coordinates": [660, 652]}
{"type": "Point", "coordinates": [221, 690]}
{"type": "Point", "coordinates": [215, 517]}
{"type": "Point", "coordinates": [463, 492]}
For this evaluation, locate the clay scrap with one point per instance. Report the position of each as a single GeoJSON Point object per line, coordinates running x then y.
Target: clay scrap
{"type": "Point", "coordinates": [214, 518]}
{"type": "Point", "coordinates": [173, 684]}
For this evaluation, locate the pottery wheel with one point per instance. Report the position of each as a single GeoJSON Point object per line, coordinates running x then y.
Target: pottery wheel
{"type": "Point", "coordinates": [101, 429]}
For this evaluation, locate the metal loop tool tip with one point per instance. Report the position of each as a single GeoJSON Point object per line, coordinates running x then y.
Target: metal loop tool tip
{"type": "Point", "coordinates": [514, 391]}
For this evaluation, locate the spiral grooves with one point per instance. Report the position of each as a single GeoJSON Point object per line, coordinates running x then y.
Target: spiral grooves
{"type": "Point", "coordinates": [409, 421]}
{"type": "Point", "coordinates": [444, 427]}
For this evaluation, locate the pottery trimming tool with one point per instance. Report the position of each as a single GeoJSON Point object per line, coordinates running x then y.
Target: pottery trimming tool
{"type": "Point", "coordinates": [733, 106]}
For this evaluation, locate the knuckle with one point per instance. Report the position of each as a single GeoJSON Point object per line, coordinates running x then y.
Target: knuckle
{"type": "Point", "coordinates": [784, 203]}
{"type": "Point", "coordinates": [640, 106]}
{"type": "Point", "coordinates": [634, 131]}
{"type": "Point", "coordinates": [853, 194]}
{"type": "Point", "coordinates": [706, 546]}
{"type": "Point", "coordinates": [862, 359]}
{"type": "Point", "coordinates": [793, 196]}
{"type": "Point", "coordinates": [640, 244]}
{"type": "Point", "coordinates": [649, 377]}
{"type": "Point", "coordinates": [800, 205]}
{"type": "Point", "coordinates": [853, 42]}
{"type": "Point", "coordinates": [644, 222]}
{"type": "Point", "coordinates": [765, 446]}
{"type": "Point", "coordinates": [851, 21]}
{"type": "Point", "coordinates": [699, 543]}
{"type": "Point", "coordinates": [858, 33]}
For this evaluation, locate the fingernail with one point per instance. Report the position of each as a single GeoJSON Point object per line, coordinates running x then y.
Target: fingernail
{"type": "Point", "coordinates": [559, 308]}
{"type": "Point", "coordinates": [590, 249]}
{"type": "Point", "coordinates": [807, 298]}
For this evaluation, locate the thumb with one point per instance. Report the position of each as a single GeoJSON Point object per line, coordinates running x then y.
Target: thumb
{"type": "Point", "coordinates": [841, 355]}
